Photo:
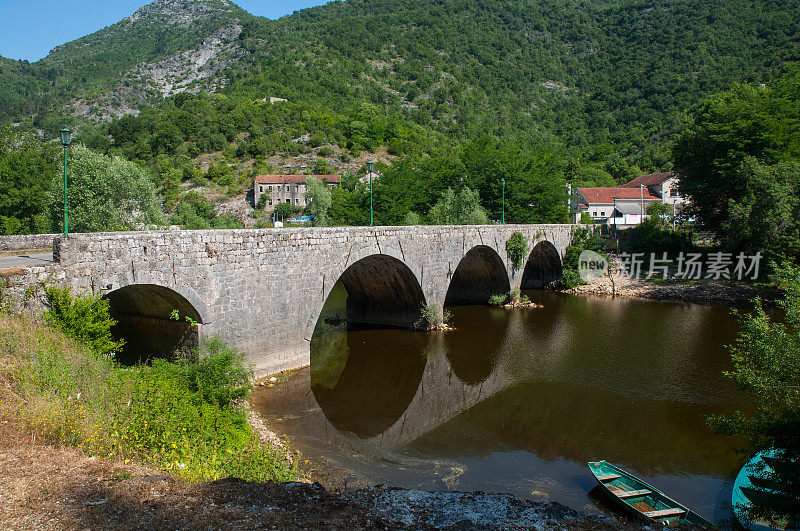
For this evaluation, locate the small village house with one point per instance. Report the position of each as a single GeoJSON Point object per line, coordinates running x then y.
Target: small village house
{"type": "Point", "coordinates": [614, 206]}
{"type": "Point", "coordinates": [664, 185]}
{"type": "Point", "coordinates": [286, 189]}
{"type": "Point", "coordinates": [626, 205]}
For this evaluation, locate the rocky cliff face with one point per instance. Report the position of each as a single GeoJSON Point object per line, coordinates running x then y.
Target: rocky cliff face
{"type": "Point", "coordinates": [216, 24]}
{"type": "Point", "coordinates": [181, 12]}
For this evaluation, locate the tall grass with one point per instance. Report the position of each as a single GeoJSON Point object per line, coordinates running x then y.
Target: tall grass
{"type": "Point", "coordinates": [187, 417]}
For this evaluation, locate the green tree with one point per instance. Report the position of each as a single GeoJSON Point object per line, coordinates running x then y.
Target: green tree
{"type": "Point", "coordinates": [766, 361]}
{"type": "Point", "coordinates": [766, 218]}
{"type": "Point", "coordinates": [27, 169]}
{"type": "Point", "coordinates": [318, 200]}
{"type": "Point", "coordinates": [349, 207]}
{"type": "Point", "coordinates": [105, 194]}
{"type": "Point", "coordinates": [285, 210]}
{"type": "Point", "coordinates": [735, 163]}
{"type": "Point", "coordinates": [660, 214]}
{"type": "Point", "coordinates": [583, 238]}
{"type": "Point", "coordinates": [459, 208]}
{"type": "Point", "coordinates": [195, 211]}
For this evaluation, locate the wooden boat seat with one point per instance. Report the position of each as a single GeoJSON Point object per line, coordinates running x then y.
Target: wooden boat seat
{"type": "Point", "coordinates": [633, 493]}
{"type": "Point", "coordinates": [608, 477]}
{"type": "Point", "coordinates": [664, 513]}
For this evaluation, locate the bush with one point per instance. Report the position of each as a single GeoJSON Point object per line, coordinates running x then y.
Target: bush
{"type": "Point", "coordinates": [497, 300]}
{"type": "Point", "coordinates": [85, 318]}
{"type": "Point", "coordinates": [285, 210]}
{"type": "Point", "coordinates": [187, 417]}
{"type": "Point", "coordinates": [434, 316]}
{"type": "Point", "coordinates": [412, 218]}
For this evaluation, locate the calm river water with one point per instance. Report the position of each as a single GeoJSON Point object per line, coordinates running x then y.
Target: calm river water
{"type": "Point", "coordinates": [519, 400]}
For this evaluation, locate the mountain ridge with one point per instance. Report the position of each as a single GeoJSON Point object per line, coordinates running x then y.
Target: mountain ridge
{"type": "Point", "coordinates": [587, 72]}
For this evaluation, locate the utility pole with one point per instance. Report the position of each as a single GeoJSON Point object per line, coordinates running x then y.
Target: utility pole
{"type": "Point", "coordinates": [503, 184]}
{"type": "Point", "coordinates": [641, 192]}
{"type": "Point", "coordinates": [66, 138]}
{"type": "Point", "coordinates": [370, 165]}
{"type": "Point", "coordinates": [569, 203]}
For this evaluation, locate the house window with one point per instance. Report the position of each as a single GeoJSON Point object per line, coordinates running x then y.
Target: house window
{"type": "Point", "coordinates": [289, 201]}
{"type": "Point", "coordinates": [296, 201]}
{"type": "Point", "coordinates": [287, 187]}
{"type": "Point", "coordinates": [296, 187]}
{"type": "Point", "coordinates": [260, 188]}
{"type": "Point", "coordinates": [603, 213]}
{"type": "Point", "coordinates": [270, 203]}
{"type": "Point", "coordinates": [269, 188]}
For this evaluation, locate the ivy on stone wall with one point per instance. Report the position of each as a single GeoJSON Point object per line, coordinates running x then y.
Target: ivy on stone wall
{"type": "Point", "coordinates": [516, 248]}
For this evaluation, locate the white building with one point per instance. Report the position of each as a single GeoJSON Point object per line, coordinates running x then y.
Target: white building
{"type": "Point", "coordinates": [663, 185]}
{"type": "Point", "coordinates": [615, 206]}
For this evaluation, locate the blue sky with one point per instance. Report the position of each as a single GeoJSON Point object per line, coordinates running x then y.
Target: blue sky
{"type": "Point", "coordinates": [31, 28]}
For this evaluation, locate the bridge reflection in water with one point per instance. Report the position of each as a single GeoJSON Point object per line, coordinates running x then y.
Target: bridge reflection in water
{"type": "Point", "coordinates": [519, 400]}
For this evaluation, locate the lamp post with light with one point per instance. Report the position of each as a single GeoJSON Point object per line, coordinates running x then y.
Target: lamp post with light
{"type": "Point", "coordinates": [370, 165]}
{"type": "Point", "coordinates": [66, 138]}
{"type": "Point", "coordinates": [503, 186]}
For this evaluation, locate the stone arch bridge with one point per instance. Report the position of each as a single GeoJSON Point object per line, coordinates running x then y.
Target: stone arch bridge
{"type": "Point", "coordinates": [262, 290]}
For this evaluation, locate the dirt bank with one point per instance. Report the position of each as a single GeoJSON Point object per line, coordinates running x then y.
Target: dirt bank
{"type": "Point", "coordinates": [51, 488]}
{"type": "Point", "coordinates": [700, 291]}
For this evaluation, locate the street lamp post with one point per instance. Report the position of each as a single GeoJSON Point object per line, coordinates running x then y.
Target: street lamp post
{"type": "Point", "coordinates": [503, 185]}
{"type": "Point", "coordinates": [370, 165]}
{"type": "Point", "coordinates": [66, 138]}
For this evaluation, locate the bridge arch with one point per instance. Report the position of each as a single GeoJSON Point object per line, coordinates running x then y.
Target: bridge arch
{"type": "Point", "coordinates": [479, 275]}
{"type": "Point", "coordinates": [543, 266]}
{"type": "Point", "coordinates": [155, 321]}
{"type": "Point", "coordinates": [381, 291]}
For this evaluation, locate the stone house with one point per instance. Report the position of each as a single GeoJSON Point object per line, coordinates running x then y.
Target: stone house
{"type": "Point", "coordinates": [286, 189]}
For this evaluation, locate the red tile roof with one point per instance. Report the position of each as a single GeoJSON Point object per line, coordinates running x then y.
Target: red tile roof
{"type": "Point", "coordinates": [605, 196]}
{"type": "Point", "coordinates": [295, 179]}
{"type": "Point", "coordinates": [653, 179]}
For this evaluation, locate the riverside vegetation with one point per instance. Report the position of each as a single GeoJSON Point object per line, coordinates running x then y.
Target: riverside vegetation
{"type": "Point", "coordinates": [187, 417]}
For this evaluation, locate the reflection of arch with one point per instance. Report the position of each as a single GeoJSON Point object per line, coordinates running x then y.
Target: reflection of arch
{"type": "Point", "coordinates": [479, 275]}
{"type": "Point", "coordinates": [473, 357]}
{"type": "Point", "coordinates": [145, 319]}
{"type": "Point", "coordinates": [382, 290]}
{"type": "Point", "coordinates": [543, 266]}
{"type": "Point", "coordinates": [365, 380]}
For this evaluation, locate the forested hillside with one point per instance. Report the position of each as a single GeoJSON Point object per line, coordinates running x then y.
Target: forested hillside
{"type": "Point", "coordinates": [588, 72]}
{"type": "Point", "coordinates": [445, 94]}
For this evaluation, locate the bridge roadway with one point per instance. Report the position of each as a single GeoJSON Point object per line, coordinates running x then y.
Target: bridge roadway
{"type": "Point", "coordinates": [262, 290]}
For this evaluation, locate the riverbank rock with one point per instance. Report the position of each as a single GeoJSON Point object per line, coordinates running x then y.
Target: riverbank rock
{"type": "Point", "coordinates": [418, 509]}
{"type": "Point", "coordinates": [523, 304]}
{"type": "Point", "coordinates": [703, 291]}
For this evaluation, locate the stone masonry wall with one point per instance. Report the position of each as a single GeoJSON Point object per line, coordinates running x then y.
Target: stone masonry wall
{"type": "Point", "coordinates": [24, 242]}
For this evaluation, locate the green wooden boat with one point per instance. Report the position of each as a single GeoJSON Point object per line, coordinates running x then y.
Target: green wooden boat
{"type": "Point", "coordinates": [643, 500]}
